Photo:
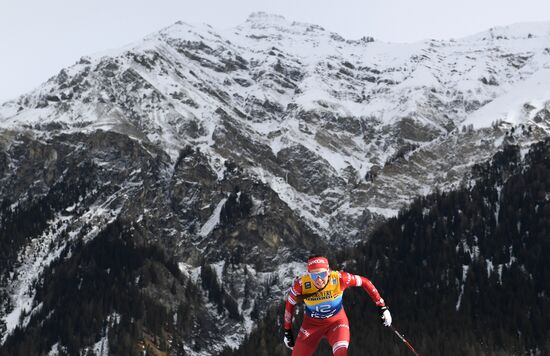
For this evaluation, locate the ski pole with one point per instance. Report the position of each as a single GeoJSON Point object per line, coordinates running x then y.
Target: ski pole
{"type": "Point", "coordinates": [403, 339]}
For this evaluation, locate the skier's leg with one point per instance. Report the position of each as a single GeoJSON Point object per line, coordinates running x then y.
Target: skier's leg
{"type": "Point", "coordinates": [338, 336]}
{"type": "Point", "coordinates": [340, 348]}
{"type": "Point", "coordinates": [301, 348]}
{"type": "Point", "coordinates": [308, 339]}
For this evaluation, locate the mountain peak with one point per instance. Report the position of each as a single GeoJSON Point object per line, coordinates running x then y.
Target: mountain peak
{"type": "Point", "coordinates": [264, 17]}
{"type": "Point", "coordinates": [264, 20]}
{"type": "Point", "coordinates": [522, 30]}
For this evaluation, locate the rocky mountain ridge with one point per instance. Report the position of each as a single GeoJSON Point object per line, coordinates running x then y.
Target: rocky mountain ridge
{"type": "Point", "coordinates": [293, 90]}
{"type": "Point", "coordinates": [239, 151]}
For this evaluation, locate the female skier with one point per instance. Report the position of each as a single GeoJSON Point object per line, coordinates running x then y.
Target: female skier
{"type": "Point", "coordinates": [321, 290]}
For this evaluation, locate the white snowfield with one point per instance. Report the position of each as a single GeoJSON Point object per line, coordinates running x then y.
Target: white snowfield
{"type": "Point", "coordinates": [519, 105]}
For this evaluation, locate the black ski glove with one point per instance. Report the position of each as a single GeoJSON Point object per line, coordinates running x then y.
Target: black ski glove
{"type": "Point", "coordinates": [289, 339]}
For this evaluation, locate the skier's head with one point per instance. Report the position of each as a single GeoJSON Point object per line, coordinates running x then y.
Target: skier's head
{"type": "Point", "coordinates": [318, 269]}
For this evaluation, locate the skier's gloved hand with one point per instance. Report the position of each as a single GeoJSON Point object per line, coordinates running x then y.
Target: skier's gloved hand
{"type": "Point", "coordinates": [385, 316]}
{"type": "Point", "coordinates": [289, 339]}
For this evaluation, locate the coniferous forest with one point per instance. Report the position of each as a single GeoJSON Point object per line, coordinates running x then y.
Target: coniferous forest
{"type": "Point", "coordinates": [464, 272]}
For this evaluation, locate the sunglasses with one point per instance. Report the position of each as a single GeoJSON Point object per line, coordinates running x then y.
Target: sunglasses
{"type": "Point", "coordinates": [315, 275]}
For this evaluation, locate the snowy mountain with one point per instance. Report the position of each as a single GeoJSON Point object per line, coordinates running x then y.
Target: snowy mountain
{"type": "Point", "coordinates": [273, 137]}
{"type": "Point", "coordinates": [296, 90]}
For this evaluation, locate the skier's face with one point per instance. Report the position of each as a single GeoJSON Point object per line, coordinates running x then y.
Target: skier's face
{"type": "Point", "coordinates": [319, 277]}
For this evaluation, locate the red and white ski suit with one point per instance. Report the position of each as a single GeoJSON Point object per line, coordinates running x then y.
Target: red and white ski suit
{"type": "Point", "coordinates": [324, 314]}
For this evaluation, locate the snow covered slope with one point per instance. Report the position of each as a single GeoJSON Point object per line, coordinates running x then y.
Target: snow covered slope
{"type": "Point", "coordinates": [297, 90]}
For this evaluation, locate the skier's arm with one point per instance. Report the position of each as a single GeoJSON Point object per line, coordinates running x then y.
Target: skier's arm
{"type": "Point", "coordinates": [353, 280]}
{"type": "Point", "coordinates": [292, 298]}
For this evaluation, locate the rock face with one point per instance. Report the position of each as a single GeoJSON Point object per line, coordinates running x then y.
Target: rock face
{"type": "Point", "coordinates": [76, 188]}
{"type": "Point", "coordinates": [239, 152]}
